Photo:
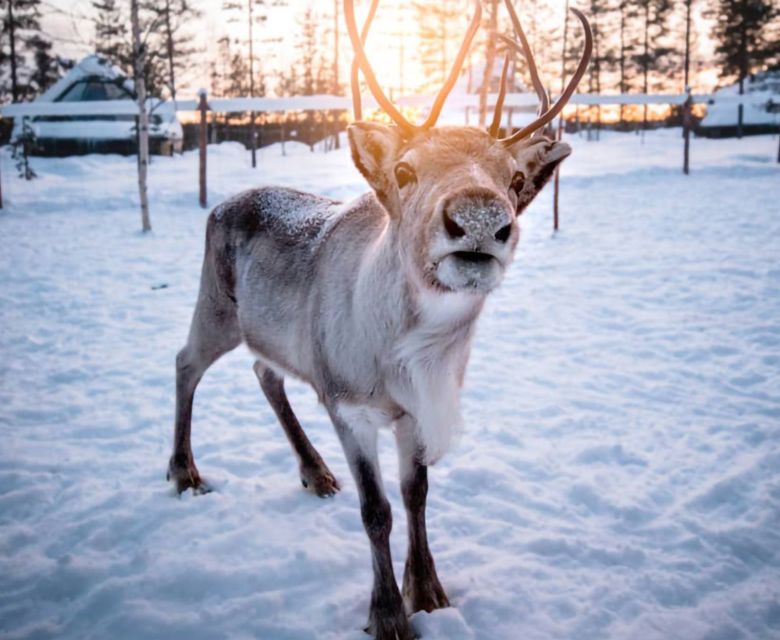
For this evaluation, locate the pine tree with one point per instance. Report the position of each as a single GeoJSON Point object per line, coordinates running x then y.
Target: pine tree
{"type": "Point", "coordinates": [490, 60]}
{"type": "Point", "coordinates": [47, 69]}
{"type": "Point", "coordinates": [653, 16]}
{"type": "Point", "coordinates": [220, 68]}
{"type": "Point", "coordinates": [238, 76]}
{"type": "Point", "coordinates": [544, 37]}
{"type": "Point", "coordinates": [312, 70]}
{"type": "Point", "coordinates": [113, 41]}
{"type": "Point", "coordinates": [602, 57]}
{"type": "Point", "coordinates": [440, 34]}
{"type": "Point", "coordinates": [172, 41]}
{"type": "Point", "coordinates": [112, 38]}
{"type": "Point", "coordinates": [627, 14]}
{"type": "Point", "coordinates": [307, 46]}
{"type": "Point", "coordinates": [19, 17]}
{"type": "Point", "coordinates": [741, 30]}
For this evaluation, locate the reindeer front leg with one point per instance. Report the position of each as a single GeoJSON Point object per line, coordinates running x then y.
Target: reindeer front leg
{"type": "Point", "coordinates": [387, 619]}
{"type": "Point", "coordinates": [422, 590]}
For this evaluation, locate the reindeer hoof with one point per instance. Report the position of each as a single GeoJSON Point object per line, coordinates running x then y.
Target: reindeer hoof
{"type": "Point", "coordinates": [186, 476]}
{"type": "Point", "coordinates": [422, 590]}
{"type": "Point", "coordinates": [319, 480]}
{"type": "Point", "coordinates": [394, 627]}
{"type": "Point", "coordinates": [427, 598]}
{"type": "Point", "coordinates": [387, 619]}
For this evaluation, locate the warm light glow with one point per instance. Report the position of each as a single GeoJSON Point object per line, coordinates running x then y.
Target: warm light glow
{"type": "Point", "coordinates": [393, 45]}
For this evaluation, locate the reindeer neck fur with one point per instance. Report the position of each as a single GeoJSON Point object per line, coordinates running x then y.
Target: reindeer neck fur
{"type": "Point", "coordinates": [408, 344]}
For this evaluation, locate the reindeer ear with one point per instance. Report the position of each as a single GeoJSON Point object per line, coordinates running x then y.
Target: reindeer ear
{"type": "Point", "coordinates": [536, 161]}
{"type": "Point", "coordinates": [374, 147]}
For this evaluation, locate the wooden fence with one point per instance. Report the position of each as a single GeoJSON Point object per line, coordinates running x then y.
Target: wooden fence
{"type": "Point", "coordinates": [465, 103]}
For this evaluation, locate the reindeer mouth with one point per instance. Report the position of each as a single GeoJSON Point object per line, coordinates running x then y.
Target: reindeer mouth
{"type": "Point", "coordinates": [474, 257]}
{"type": "Point", "coordinates": [469, 271]}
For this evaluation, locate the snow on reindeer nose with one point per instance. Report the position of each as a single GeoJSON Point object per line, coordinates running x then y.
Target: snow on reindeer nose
{"type": "Point", "coordinates": [477, 216]}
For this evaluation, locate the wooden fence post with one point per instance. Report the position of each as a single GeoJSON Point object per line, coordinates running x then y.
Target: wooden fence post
{"type": "Point", "coordinates": [686, 118]}
{"type": "Point", "coordinates": [202, 107]}
{"type": "Point", "coordinates": [772, 108]}
{"type": "Point", "coordinates": [558, 136]}
{"type": "Point", "coordinates": [253, 138]}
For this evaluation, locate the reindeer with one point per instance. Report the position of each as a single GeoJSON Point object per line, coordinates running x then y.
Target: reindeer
{"type": "Point", "coordinates": [373, 302]}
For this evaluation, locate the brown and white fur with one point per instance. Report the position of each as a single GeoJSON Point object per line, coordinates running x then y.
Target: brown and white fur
{"type": "Point", "coordinates": [374, 304]}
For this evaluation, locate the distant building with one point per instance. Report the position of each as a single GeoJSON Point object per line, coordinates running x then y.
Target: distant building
{"type": "Point", "coordinates": [94, 78]}
{"type": "Point", "coordinates": [761, 113]}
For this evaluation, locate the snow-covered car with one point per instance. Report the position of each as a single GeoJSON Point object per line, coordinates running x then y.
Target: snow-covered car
{"type": "Point", "coordinates": [94, 78]}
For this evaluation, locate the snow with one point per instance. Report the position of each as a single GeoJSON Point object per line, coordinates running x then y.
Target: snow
{"type": "Point", "coordinates": [761, 91]}
{"type": "Point", "coordinates": [617, 477]}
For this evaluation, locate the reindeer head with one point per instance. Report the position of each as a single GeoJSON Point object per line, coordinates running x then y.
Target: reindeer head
{"type": "Point", "coordinates": [454, 193]}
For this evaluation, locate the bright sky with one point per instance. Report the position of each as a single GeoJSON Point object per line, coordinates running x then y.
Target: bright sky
{"type": "Point", "coordinates": [68, 21]}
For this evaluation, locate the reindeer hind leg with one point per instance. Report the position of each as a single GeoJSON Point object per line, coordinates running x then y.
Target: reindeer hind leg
{"type": "Point", "coordinates": [214, 331]}
{"type": "Point", "coordinates": [315, 474]}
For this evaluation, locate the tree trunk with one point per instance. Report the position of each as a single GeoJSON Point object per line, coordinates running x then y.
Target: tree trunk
{"type": "Point", "coordinates": [202, 135]}
{"type": "Point", "coordinates": [622, 59]}
{"type": "Point", "coordinates": [12, 43]}
{"type": "Point", "coordinates": [646, 62]}
{"type": "Point", "coordinates": [252, 125]}
{"type": "Point", "coordinates": [686, 116]}
{"type": "Point", "coordinates": [597, 68]}
{"type": "Point", "coordinates": [336, 89]}
{"type": "Point", "coordinates": [143, 116]}
{"type": "Point", "coordinates": [560, 117]}
{"type": "Point", "coordinates": [743, 71]}
{"type": "Point", "coordinates": [169, 50]}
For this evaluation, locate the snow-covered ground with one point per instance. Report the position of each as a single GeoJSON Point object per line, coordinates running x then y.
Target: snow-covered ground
{"type": "Point", "coordinates": [619, 476]}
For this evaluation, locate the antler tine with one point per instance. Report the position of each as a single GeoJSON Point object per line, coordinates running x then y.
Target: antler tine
{"type": "Point", "coordinates": [368, 72]}
{"type": "Point", "coordinates": [497, 113]}
{"type": "Point", "coordinates": [357, 105]}
{"type": "Point", "coordinates": [544, 101]}
{"type": "Point", "coordinates": [438, 103]}
{"type": "Point", "coordinates": [551, 113]}
{"type": "Point", "coordinates": [528, 55]}
{"type": "Point", "coordinates": [361, 60]}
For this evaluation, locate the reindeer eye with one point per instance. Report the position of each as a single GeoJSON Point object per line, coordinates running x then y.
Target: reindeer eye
{"type": "Point", "coordinates": [404, 174]}
{"type": "Point", "coordinates": [518, 180]}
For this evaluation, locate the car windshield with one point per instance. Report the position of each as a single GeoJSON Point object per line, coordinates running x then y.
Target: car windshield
{"type": "Point", "coordinates": [93, 89]}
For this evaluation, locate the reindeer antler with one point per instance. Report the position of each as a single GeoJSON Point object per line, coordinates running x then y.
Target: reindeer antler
{"type": "Point", "coordinates": [525, 49]}
{"type": "Point", "coordinates": [546, 114]}
{"type": "Point", "coordinates": [495, 126]}
{"type": "Point", "coordinates": [368, 73]}
{"type": "Point", "coordinates": [357, 104]}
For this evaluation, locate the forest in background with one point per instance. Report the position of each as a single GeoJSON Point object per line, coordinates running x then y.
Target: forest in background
{"type": "Point", "coordinates": [639, 45]}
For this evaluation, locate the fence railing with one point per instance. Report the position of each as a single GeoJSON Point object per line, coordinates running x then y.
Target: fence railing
{"type": "Point", "coordinates": [325, 103]}
{"type": "Point", "coordinates": [464, 102]}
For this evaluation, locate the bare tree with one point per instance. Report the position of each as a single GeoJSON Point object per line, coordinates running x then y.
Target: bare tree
{"type": "Point", "coordinates": [172, 43]}
{"type": "Point", "coordinates": [439, 28]}
{"type": "Point", "coordinates": [143, 117]}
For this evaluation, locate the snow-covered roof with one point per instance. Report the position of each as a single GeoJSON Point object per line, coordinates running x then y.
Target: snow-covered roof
{"type": "Point", "coordinates": [92, 66]}
{"type": "Point", "coordinates": [761, 90]}
{"type": "Point", "coordinates": [77, 123]}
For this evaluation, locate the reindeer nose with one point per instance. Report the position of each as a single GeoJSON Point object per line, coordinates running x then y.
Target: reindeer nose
{"type": "Point", "coordinates": [477, 216]}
